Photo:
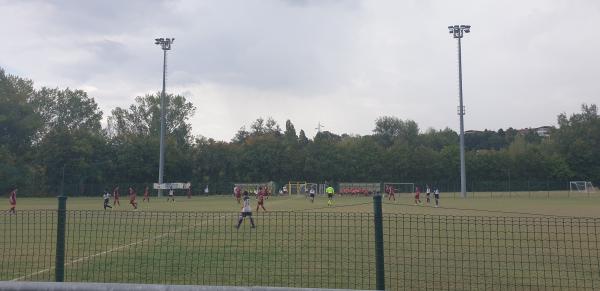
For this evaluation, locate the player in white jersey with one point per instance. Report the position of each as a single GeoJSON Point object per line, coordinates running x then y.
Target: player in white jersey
{"type": "Point", "coordinates": [312, 194]}
{"type": "Point", "coordinates": [428, 192]}
{"type": "Point", "coordinates": [106, 198]}
{"type": "Point", "coordinates": [246, 211]}
{"type": "Point", "coordinates": [171, 195]}
{"type": "Point", "coordinates": [436, 195]}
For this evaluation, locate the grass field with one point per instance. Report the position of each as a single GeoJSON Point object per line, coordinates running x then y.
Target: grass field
{"type": "Point", "coordinates": [480, 203]}
{"type": "Point", "coordinates": [481, 243]}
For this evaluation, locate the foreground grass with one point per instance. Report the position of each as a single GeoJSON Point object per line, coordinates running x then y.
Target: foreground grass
{"type": "Point", "coordinates": [467, 244]}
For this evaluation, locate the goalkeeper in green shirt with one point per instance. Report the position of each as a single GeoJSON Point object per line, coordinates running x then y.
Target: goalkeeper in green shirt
{"type": "Point", "coordinates": [329, 190]}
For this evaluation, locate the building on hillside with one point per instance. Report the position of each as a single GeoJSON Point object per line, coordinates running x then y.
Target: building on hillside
{"type": "Point", "coordinates": [543, 131]}
{"type": "Point", "coordinates": [473, 131]}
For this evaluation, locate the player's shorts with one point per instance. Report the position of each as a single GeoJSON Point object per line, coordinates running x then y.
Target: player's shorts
{"type": "Point", "coordinates": [428, 195]}
{"type": "Point", "coordinates": [311, 195]}
{"type": "Point", "coordinates": [244, 214]}
{"type": "Point", "coordinates": [330, 195]}
{"type": "Point", "coordinates": [417, 196]}
{"type": "Point", "coordinates": [437, 196]}
{"type": "Point", "coordinates": [261, 202]}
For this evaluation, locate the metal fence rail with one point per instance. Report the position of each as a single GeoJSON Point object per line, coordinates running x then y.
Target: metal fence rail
{"type": "Point", "coordinates": [325, 250]}
{"type": "Point", "coordinates": [305, 249]}
{"type": "Point", "coordinates": [491, 253]}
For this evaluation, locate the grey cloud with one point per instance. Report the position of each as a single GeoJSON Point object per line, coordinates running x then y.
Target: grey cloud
{"type": "Point", "coordinates": [340, 62]}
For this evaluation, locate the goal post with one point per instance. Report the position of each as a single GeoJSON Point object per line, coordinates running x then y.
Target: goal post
{"type": "Point", "coordinates": [399, 188]}
{"type": "Point", "coordinates": [581, 186]}
{"type": "Point", "coordinates": [297, 188]}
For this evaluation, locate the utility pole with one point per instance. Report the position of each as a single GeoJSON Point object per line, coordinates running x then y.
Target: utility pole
{"type": "Point", "coordinates": [458, 31]}
{"type": "Point", "coordinates": [319, 126]}
{"type": "Point", "coordinates": [165, 44]}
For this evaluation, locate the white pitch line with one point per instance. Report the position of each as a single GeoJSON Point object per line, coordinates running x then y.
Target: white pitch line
{"type": "Point", "coordinates": [107, 252]}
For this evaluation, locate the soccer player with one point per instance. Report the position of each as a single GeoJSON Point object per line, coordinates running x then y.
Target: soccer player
{"type": "Point", "coordinates": [417, 196]}
{"type": "Point", "coordinates": [146, 195]}
{"type": "Point", "coordinates": [330, 192]}
{"type": "Point", "coordinates": [171, 195]}
{"type": "Point", "coordinates": [261, 199]}
{"type": "Point", "coordinates": [237, 192]}
{"type": "Point", "coordinates": [246, 211]}
{"type": "Point", "coordinates": [391, 193]}
{"type": "Point", "coordinates": [106, 198]}
{"type": "Point", "coordinates": [12, 200]}
{"type": "Point", "coordinates": [116, 196]}
{"type": "Point", "coordinates": [428, 192]}
{"type": "Point", "coordinates": [311, 193]}
{"type": "Point", "coordinates": [132, 197]}
{"type": "Point", "coordinates": [436, 195]}
{"type": "Point", "coordinates": [189, 192]}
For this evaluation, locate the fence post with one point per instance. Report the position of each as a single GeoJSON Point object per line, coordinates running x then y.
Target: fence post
{"type": "Point", "coordinates": [59, 275]}
{"type": "Point", "coordinates": [379, 255]}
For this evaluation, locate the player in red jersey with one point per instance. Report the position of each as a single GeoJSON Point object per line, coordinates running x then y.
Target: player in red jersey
{"type": "Point", "coordinates": [12, 200]}
{"type": "Point", "coordinates": [417, 196]}
{"type": "Point", "coordinates": [237, 192]}
{"type": "Point", "coordinates": [146, 195]}
{"type": "Point", "coordinates": [116, 196]}
{"type": "Point", "coordinates": [391, 193]}
{"type": "Point", "coordinates": [261, 199]}
{"type": "Point", "coordinates": [132, 197]}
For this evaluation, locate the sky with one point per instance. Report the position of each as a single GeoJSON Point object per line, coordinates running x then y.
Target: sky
{"type": "Point", "coordinates": [340, 63]}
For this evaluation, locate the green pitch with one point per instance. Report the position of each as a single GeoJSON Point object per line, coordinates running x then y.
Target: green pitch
{"type": "Point", "coordinates": [497, 204]}
{"type": "Point", "coordinates": [476, 243]}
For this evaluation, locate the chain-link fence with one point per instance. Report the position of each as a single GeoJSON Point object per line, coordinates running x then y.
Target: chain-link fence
{"type": "Point", "coordinates": [304, 249]}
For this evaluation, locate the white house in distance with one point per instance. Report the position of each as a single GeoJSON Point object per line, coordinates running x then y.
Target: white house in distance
{"type": "Point", "coordinates": [543, 131]}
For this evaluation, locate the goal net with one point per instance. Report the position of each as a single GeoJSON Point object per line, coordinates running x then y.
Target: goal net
{"type": "Point", "coordinates": [581, 186]}
{"type": "Point", "coordinates": [399, 188]}
{"type": "Point", "coordinates": [319, 188]}
{"type": "Point", "coordinates": [297, 188]}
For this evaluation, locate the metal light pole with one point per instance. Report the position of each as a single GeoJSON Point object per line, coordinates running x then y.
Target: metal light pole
{"type": "Point", "coordinates": [457, 31]}
{"type": "Point", "coordinates": [165, 44]}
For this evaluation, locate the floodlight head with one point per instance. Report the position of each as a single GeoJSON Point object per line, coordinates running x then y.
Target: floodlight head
{"type": "Point", "coordinates": [165, 43]}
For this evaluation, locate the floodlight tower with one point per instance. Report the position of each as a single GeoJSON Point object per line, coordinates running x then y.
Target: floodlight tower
{"type": "Point", "coordinates": [458, 31]}
{"type": "Point", "coordinates": [165, 44]}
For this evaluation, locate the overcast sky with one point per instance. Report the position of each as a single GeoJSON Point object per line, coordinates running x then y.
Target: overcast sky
{"type": "Point", "coordinates": [343, 63]}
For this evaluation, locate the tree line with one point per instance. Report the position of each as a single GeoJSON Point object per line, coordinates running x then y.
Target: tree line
{"type": "Point", "coordinates": [51, 135]}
